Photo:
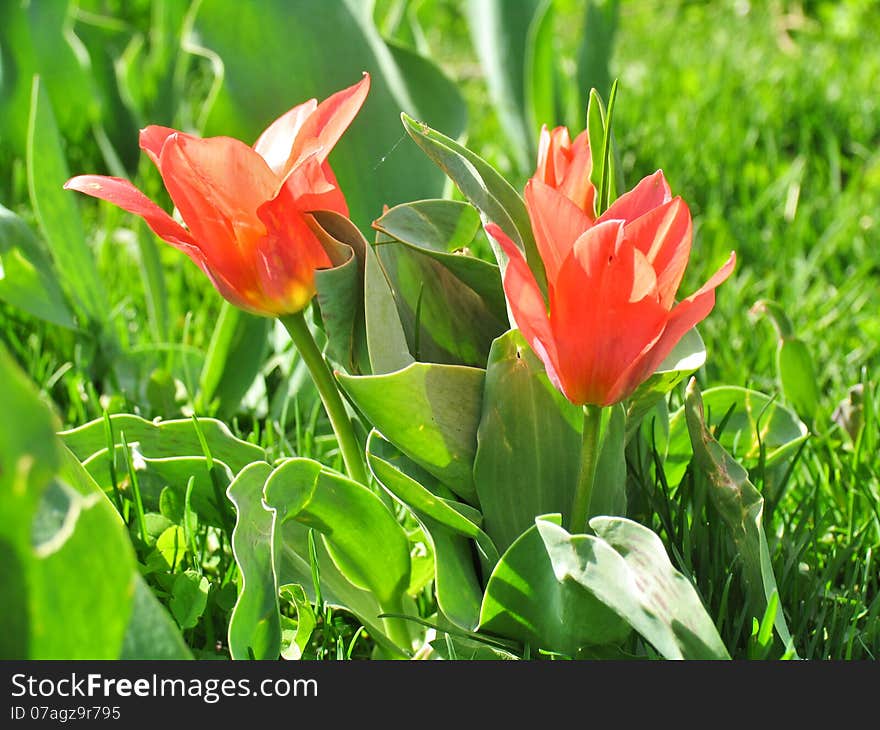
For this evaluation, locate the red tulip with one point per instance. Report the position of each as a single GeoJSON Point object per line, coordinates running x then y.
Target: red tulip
{"type": "Point", "coordinates": [611, 286]}
{"type": "Point", "coordinates": [246, 209]}
{"type": "Point", "coordinates": [565, 166]}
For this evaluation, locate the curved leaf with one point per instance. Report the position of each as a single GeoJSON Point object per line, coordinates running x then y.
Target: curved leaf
{"type": "Point", "coordinates": [255, 625]}
{"type": "Point", "coordinates": [364, 539]}
{"type": "Point", "coordinates": [430, 412]}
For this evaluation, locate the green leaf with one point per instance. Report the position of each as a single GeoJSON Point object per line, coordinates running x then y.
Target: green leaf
{"type": "Point", "coordinates": [151, 633]}
{"type": "Point", "coordinates": [627, 568]}
{"type": "Point", "coordinates": [499, 31]}
{"type": "Point", "coordinates": [27, 278]}
{"type": "Point", "coordinates": [596, 48]}
{"type": "Point", "coordinates": [386, 338]}
{"type": "Point", "coordinates": [755, 422]}
{"type": "Point", "coordinates": [541, 57]}
{"type": "Point", "coordinates": [324, 52]}
{"type": "Point", "coordinates": [165, 439]}
{"type": "Point", "coordinates": [292, 565]}
{"type": "Point", "coordinates": [462, 648]}
{"type": "Point", "coordinates": [63, 545]}
{"type": "Point", "coordinates": [529, 443]}
{"type": "Point", "coordinates": [430, 412]}
{"type": "Point", "coordinates": [235, 355]}
{"type": "Point", "coordinates": [449, 525]}
{"type": "Point", "coordinates": [485, 188]}
{"type": "Point", "coordinates": [797, 374]}
{"type": "Point", "coordinates": [688, 356]}
{"type": "Point", "coordinates": [364, 539]}
{"type": "Point", "coordinates": [36, 39]}
{"type": "Point", "coordinates": [254, 626]}
{"type": "Point", "coordinates": [609, 490]}
{"type": "Point", "coordinates": [340, 290]}
{"type": "Point", "coordinates": [440, 227]}
{"type": "Point", "coordinates": [740, 505]}
{"type": "Point", "coordinates": [56, 210]}
{"type": "Point", "coordinates": [189, 597]}
{"type": "Point", "coordinates": [306, 621]}
{"type": "Point", "coordinates": [445, 320]}
{"type": "Point", "coordinates": [526, 600]}
{"type": "Point", "coordinates": [451, 305]}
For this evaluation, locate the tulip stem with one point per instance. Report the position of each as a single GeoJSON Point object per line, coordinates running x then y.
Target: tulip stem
{"type": "Point", "coordinates": [580, 507]}
{"type": "Point", "coordinates": [302, 338]}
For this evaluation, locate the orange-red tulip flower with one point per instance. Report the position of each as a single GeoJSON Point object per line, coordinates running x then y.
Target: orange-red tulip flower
{"type": "Point", "coordinates": [565, 166]}
{"type": "Point", "coordinates": [611, 285]}
{"type": "Point", "coordinates": [246, 208]}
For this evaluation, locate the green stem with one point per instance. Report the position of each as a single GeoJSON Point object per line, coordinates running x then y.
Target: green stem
{"type": "Point", "coordinates": [327, 388]}
{"type": "Point", "coordinates": [580, 506]}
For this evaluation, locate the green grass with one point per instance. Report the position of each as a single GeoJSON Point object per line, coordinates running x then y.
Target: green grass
{"type": "Point", "coordinates": [767, 124]}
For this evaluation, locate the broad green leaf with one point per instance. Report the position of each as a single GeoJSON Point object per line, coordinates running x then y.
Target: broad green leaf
{"type": "Point", "coordinates": [626, 567]}
{"type": "Point", "coordinates": [386, 340]}
{"type": "Point", "coordinates": [165, 439]}
{"type": "Point", "coordinates": [451, 304]}
{"type": "Point", "coordinates": [499, 31]}
{"type": "Point", "coordinates": [27, 278]}
{"type": "Point", "coordinates": [324, 52]}
{"type": "Point", "coordinates": [35, 39]}
{"type": "Point", "coordinates": [254, 626]}
{"type": "Point", "coordinates": [235, 355]}
{"type": "Point", "coordinates": [529, 443]}
{"type": "Point", "coordinates": [541, 59]}
{"type": "Point", "coordinates": [151, 632]}
{"type": "Point", "coordinates": [292, 566]}
{"type": "Point", "coordinates": [528, 601]}
{"type": "Point", "coordinates": [755, 421]}
{"type": "Point", "coordinates": [69, 572]}
{"type": "Point", "coordinates": [740, 505]}
{"type": "Point", "coordinates": [609, 490]}
{"type": "Point", "coordinates": [596, 48]}
{"type": "Point", "coordinates": [439, 226]}
{"type": "Point", "coordinates": [430, 412]}
{"type": "Point", "coordinates": [306, 621]}
{"type": "Point", "coordinates": [450, 526]}
{"type": "Point", "coordinates": [688, 356]}
{"type": "Point", "coordinates": [485, 188]}
{"type": "Point", "coordinates": [156, 475]}
{"type": "Point", "coordinates": [56, 210]}
{"type": "Point", "coordinates": [445, 320]}
{"type": "Point", "coordinates": [340, 290]}
{"type": "Point", "coordinates": [364, 539]}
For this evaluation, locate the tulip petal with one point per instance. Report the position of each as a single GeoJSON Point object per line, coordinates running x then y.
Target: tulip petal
{"type": "Point", "coordinates": [276, 142]}
{"type": "Point", "coordinates": [604, 312]}
{"type": "Point", "coordinates": [152, 139]}
{"type": "Point", "coordinates": [217, 185]}
{"type": "Point", "coordinates": [125, 195]}
{"type": "Point", "coordinates": [287, 256]}
{"type": "Point", "coordinates": [575, 184]}
{"type": "Point", "coordinates": [527, 304]}
{"type": "Point", "coordinates": [664, 236]}
{"type": "Point", "coordinates": [313, 186]}
{"type": "Point", "coordinates": [323, 128]}
{"type": "Point", "coordinates": [556, 222]}
{"type": "Point", "coordinates": [683, 317]}
{"type": "Point", "coordinates": [649, 193]}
